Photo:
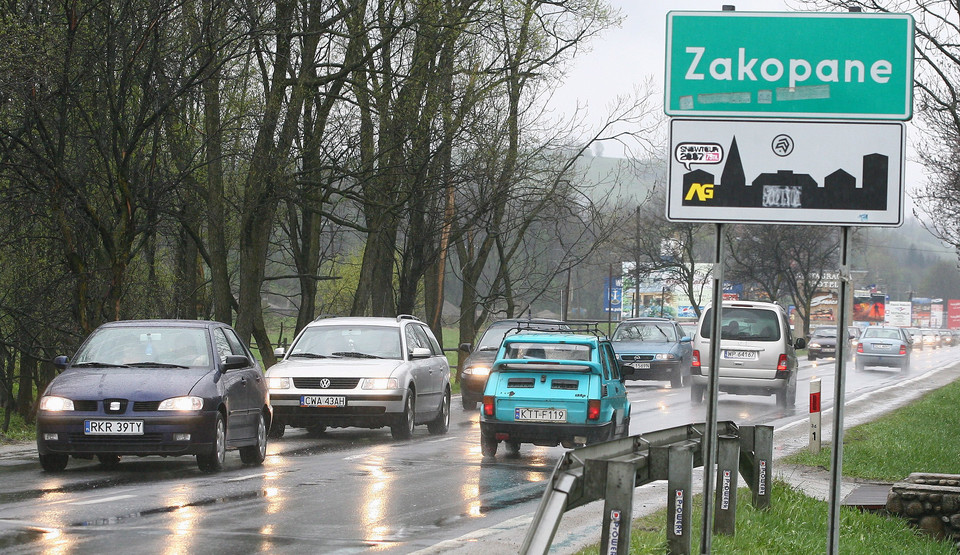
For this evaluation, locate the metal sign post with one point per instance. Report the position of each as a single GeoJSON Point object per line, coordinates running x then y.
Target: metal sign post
{"type": "Point", "coordinates": [710, 433]}
{"type": "Point", "coordinates": [836, 454]}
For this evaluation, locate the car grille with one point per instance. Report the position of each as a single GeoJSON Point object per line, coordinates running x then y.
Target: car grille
{"type": "Point", "coordinates": [636, 358]}
{"type": "Point", "coordinates": [520, 382]}
{"type": "Point", "coordinates": [335, 383]}
{"type": "Point", "coordinates": [85, 406]}
{"type": "Point", "coordinates": [145, 406]}
{"type": "Point", "coordinates": [565, 384]}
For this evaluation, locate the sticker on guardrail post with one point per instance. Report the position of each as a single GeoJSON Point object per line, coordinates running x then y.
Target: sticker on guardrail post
{"type": "Point", "coordinates": [725, 506]}
{"type": "Point", "coordinates": [679, 498]}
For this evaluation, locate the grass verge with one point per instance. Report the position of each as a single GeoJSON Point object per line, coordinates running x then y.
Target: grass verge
{"type": "Point", "coordinates": [794, 524]}
{"type": "Point", "coordinates": [919, 437]}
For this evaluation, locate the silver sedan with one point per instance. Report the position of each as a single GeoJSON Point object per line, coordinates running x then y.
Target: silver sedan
{"type": "Point", "coordinates": [880, 346]}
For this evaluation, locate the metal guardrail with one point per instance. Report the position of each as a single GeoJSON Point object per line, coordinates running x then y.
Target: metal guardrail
{"type": "Point", "coordinates": [611, 470]}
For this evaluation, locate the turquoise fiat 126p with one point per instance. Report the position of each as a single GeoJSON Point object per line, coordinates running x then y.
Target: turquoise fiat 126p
{"type": "Point", "coordinates": [554, 388]}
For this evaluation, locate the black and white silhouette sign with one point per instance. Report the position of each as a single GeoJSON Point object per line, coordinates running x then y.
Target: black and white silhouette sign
{"type": "Point", "coordinates": [778, 172]}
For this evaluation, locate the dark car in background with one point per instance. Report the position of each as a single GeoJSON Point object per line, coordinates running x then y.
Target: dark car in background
{"type": "Point", "coordinates": [155, 387]}
{"type": "Point", "coordinates": [823, 342]}
{"type": "Point", "coordinates": [476, 367]}
{"type": "Point", "coordinates": [653, 349]}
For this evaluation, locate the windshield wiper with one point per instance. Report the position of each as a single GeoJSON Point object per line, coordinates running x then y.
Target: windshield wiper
{"type": "Point", "coordinates": [309, 355]}
{"type": "Point", "coordinates": [350, 354]}
{"type": "Point", "coordinates": [99, 364]}
{"type": "Point", "coordinates": [149, 364]}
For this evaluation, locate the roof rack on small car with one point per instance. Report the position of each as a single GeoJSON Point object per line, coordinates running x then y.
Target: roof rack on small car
{"type": "Point", "coordinates": [591, 328]}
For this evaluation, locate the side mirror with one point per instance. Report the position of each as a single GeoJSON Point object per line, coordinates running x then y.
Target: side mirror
{"type": "Point", "coordinates": [279, 352]}
{"type": "Point", "coordinates": [686, 339]}
{"type": "Point", "coordinates": [61, 362]}
{"type": "Point", "coordinates": [800, 343]}
{"type": "Point", "coordinates": [421, 352]}
{"type": "Point", "coordinates": [235, 361]}
{"type": "Point", "coordinates": [466, 347]}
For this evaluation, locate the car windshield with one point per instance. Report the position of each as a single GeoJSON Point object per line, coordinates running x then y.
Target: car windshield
{"type": "Point", "coordinates": [745, 324]}
{"type": "Point", "coordinates": [356, 341]}
{"type": "Point", "coordinates": [825, 332]}
{"type": "Point", "coordinates": [646, 331]}
{"type": "Point", "coordinates": [882, 333]}
{"type": "Point", "coordinates": [548, 351]}
{"type": "Point", "coordinates": [146, 346]}
{"type": "Point", "coordinates": [493, 337]}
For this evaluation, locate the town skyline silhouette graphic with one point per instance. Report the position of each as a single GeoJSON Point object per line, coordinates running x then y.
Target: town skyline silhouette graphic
{"type": "Point", "coordinates": [786, 189]}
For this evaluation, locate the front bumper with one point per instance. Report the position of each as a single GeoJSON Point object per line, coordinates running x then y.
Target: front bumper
{"type": "Point", "coordinates": [472, 386]}
{"type": "Point", "coordinates": [371, 409]}
{"type": "Point", "coordinates": [157, 437]}
{"type": "Point", "coordinates": [545, 433]}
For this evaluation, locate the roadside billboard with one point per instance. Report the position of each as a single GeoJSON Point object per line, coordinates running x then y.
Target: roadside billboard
{"type": "Point", "coordinates": [953, 314]}
{"type": "Point", "coordinates": [869, 308]}
{"type": "Point", "coordinates": [936, 313]}
{"type": "Point", "coordinates": [921, 312]}
{"type": "Point", "coordinates": [897, 313]}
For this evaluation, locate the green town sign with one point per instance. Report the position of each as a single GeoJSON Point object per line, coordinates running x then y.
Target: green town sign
{"type": "Point", "coordinates": [794, 65]}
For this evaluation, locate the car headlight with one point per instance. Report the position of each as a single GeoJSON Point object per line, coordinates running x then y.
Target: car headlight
{"type": "Point", "coordinates": [665, 356]}
{"type": "Point", "coordinates": [278, 383]}
{"type": "Point", "coordinates": [477, 370]}
{"type": "Point", "coordinates": [813, 346]}
{"type": "Point", "coordinates": [53, 403]}
{"type": "Point", "coordinates": [181, 403]}
{"type": "Point", "coordinates": [380, 383]}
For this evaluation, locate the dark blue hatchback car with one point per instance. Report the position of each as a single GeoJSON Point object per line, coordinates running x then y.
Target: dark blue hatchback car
{"type": "Point", "coordinates": [156, 387]}
{"type": "Point", "coordinates": [653, 349]}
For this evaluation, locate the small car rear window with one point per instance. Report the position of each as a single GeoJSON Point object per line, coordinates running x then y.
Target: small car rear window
{"type": "Point", "coordinates": [548, 351]}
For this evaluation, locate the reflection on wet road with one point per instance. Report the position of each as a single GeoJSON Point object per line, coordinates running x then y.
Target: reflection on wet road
{"type": "Point", "coordinates": [347, 491]}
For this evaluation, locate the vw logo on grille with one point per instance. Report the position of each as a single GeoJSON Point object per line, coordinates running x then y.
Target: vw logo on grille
{"type": "Point", "coordinates": [324, 383]}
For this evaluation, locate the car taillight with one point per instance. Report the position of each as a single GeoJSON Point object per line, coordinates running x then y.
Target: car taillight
{"type": "Point", "coordinates": [903, 349]}
{"type": "Point", "coordinates": [593, 409]}
{"type": "Point", "coordinates": [859, 347]}
{"type": "Point", "coordinates": [782, 363]}
{"type": "Point", "coordinates": [488, 405]}
{"type": "Point", "coordinates": [696, 359]}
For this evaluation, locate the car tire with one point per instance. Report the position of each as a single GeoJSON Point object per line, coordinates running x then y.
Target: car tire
{"type": "Point", "coordinates": [277, 429]}
{"type": "Point", "coordinates": [441, 424]}
{"type": "Point", "coordinates": [256, 453]}
{"type": "Point", "coordinates": [212, 460]}
{"type": "Point", "coordinates": [54, 462]}
{"type": "Point", "coordinates": [696, 394]}
{"type": "Point", "coordinates": [316, 430]}
{"type": "Point", "coordinates": [906, 367]}
{"type": "Point", "coordinates": [468, 404]}
{"type": "Point", "coordinates": [513, 449]}
{"type": "Point", "coordinates": [859, 366]}
{"type": "Point", "coordinates": [403, 427]}
{"type": "Point", "coordinates": [811, 357]}
{"type": "Point", "coordinates": [109, 461]}
{"type": "Point", "coordinates": [626, 428]}
{"type": "Point", "coordinates": [676, 380]}
{"type": "Point", "coordinates": [488, 445]}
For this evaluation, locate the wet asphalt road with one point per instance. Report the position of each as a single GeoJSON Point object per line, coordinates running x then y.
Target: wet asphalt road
{"type": "Point", "coordinates": [348, 491]}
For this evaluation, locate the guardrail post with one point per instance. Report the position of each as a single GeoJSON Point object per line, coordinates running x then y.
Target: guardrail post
{"type": "Point", "coordinates": [816, 436]}
{"type": "Point", "coordinates": [618, 506]}
{"type": "Point", "coordinates": [679, 497]}
{"type": "Point", "coordinates": [725, 511]}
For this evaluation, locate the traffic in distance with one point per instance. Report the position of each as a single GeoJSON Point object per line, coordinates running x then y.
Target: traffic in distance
{"type": "Point", "coordinates": [176, 387]}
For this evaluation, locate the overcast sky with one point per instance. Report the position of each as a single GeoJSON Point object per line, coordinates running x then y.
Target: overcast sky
{"type": "Point", "coordinates": [622, 58]}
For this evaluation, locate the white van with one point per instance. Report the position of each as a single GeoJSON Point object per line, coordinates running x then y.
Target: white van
{"type": "Point", "coordinates": [757, 352]}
